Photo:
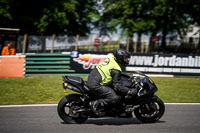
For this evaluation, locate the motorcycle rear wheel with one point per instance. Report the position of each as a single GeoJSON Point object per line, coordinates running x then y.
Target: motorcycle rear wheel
{"type": "Point", "coordinates": [151, 111]}
{"type": "Point", "coordinates": [67, 109]}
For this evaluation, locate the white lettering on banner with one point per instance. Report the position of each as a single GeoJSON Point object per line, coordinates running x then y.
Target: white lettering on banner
{"type": "Point", "coordinates": [169, 70]}
{"type": "Point", "coordinates": [141, 60]}
{"type": "Point", "coordinates": [173, 61]}
{"type": "Point", "coordinates": [176, 70]}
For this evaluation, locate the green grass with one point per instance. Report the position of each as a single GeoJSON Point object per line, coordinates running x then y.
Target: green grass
{"type": "Point", "coordinates": [31, 90]}
{"type": "Point", "coordinates": [183, 90]}
{"type": "Point", "coordinates": [48, 89]}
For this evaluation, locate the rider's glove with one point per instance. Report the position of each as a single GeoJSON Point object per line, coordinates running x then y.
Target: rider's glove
{"type": "Point", "coordinates": [132, 93]}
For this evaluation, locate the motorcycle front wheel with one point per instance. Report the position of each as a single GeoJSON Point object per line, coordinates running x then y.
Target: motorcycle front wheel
{"type": "Point", "coordinates": [151, 111]}
{"type": "Point", "coordinates": [68, 109]}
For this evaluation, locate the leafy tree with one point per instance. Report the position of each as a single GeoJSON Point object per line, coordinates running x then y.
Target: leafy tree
{"type": "Point", "coordinates": [174, 18]}
{"type": "Point", "coordinates": [72, 17]}
{"type": "Point", "coordinates": [132, 16]}
{"type": "Point", "coordinates": [67, 16]}
{"type": "Point", "coordinates": [177, 16]}
{"type": "Point", "coordinates": [5, 15]}
{"type": "Point", "coordinates": [149, 16]}
{"type": "Point", "coordinates": [48, 17]}
{"type": "Point", "coordinates": [193, 9]}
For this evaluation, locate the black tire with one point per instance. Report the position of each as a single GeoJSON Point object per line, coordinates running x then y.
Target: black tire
{"type": "Point", "coordinates": [69, 102]}
{"type": "Point", "coordinates": [151, 111]}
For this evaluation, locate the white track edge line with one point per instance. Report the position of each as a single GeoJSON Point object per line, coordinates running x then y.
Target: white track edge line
{"type": "Point", "coordinates": [48, 105]}
{"type": "Point", "coordinates": [28, 105]}
{"type": "Point", "coordinates": [182, 103]}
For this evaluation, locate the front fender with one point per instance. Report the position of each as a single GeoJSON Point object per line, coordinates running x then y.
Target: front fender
{"type": "Point", "coordinates": [140, 100]}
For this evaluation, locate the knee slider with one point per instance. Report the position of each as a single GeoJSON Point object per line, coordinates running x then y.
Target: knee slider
{"type": "Point", "coordinates": [115, 99]}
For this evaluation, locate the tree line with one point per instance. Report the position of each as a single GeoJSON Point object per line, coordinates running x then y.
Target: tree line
{"type": "Point", "coordinates": [72, 17]}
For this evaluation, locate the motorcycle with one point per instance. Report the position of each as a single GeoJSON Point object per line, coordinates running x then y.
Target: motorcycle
{"type": "Point", "coordinates": [147, 107]}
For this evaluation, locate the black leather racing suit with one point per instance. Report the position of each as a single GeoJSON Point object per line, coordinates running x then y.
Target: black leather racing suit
{"type": "Point", "coordinates": [106, 93]}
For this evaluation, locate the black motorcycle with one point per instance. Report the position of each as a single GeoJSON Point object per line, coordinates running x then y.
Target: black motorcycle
{"type": "Point", "coordinates": [148, 108]}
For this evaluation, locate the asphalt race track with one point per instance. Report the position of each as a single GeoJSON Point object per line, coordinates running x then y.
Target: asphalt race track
{"type": "Point", "coordinates": [177, 119]}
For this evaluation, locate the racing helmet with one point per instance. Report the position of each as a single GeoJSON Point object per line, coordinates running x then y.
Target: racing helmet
{"type": "Point", "coordinates": [122, 56]}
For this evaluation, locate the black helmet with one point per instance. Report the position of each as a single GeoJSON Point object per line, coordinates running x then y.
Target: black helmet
{"type": "Point", "coordinates": [122, 56]}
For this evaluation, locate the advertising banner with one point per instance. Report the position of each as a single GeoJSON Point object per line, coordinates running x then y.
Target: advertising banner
{"type": "Point", "coordinates": [84, 62]}
{"type": "Point", "coordinates": [176, 64]}
{"type": "Point", "coordinates": [168, 64]}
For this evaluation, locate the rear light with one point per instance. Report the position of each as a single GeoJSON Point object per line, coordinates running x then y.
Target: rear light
{"type": "Point", "coordinates": [67, 86]}
{"type": "Point", "coordinates": [70, 87]}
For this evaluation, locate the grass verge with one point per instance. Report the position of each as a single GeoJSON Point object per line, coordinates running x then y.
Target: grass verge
{"type": "Point", "coordinates": [48, 89]}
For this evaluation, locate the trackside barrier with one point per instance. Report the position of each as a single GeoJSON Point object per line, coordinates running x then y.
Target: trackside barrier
{"type": "Point", "coordinates": [12, 66]}
{"type": "Point", "coordinates": [47, 64]}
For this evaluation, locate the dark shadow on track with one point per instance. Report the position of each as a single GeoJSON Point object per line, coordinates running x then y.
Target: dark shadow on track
{"type": "Point", "coordinates": [115, 121]}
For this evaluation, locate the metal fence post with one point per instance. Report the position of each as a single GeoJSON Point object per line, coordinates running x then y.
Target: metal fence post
{"type": "Point", "coordinates": [53, 41]}
{"type": "Point", "coordinates": [24, 44]}
{"type": "Point", "coordinates": [77, 39]}
{"type": "Point", "coordinates": [128, 43]}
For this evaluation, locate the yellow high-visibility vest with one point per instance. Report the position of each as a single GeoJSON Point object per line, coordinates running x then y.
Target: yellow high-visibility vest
{"type": "Point", "coordinates": [105, 67]}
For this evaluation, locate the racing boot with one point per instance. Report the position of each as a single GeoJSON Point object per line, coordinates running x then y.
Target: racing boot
{"type": "Point", "coordinates": [97, 107]}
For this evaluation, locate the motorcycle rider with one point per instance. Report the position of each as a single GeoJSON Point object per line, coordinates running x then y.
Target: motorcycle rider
{"type": "Point", "coordinates": [105, 73]}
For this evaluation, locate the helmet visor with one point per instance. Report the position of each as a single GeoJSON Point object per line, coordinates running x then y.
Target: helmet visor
{"type": "Point", "coordinates": [126, 60]}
